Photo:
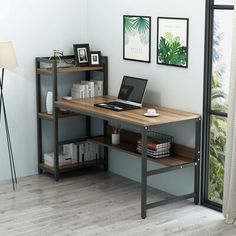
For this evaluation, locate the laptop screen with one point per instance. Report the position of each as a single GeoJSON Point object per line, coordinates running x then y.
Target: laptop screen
{"type": "Point", "coordinates": [132, 89]}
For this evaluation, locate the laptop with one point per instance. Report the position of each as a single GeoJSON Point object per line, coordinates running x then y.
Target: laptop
{"type": "Point", "coordinates": [130, 96]}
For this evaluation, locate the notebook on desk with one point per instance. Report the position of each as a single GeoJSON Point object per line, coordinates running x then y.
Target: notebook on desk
{"type": "Point", "coordinates": [130, 96]}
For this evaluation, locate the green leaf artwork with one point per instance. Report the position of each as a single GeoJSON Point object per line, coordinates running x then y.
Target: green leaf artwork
{"type": "Point", "coordinates": [136, 25]}
{"type": "Point", "coordinates": [170, 50]}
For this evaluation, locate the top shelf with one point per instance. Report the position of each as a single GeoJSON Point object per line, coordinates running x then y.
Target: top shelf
{"type": "Point", "coordinates": [71, 69]}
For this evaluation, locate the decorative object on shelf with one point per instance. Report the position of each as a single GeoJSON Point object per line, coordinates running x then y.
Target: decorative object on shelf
{"type": "Point", "coordinates": [49, 102]}
{"type": "Point", "coordinates": [7, 60]}
{"type": "Point", "coordinates": [115, 136]}
{"type": "Point", "coordinates": [95, 58]}
{"type": "Point", "coordinates": [137, 38]}
{"type": "Point", "coordinates": [82, 54]}
{"type": "Point", "coordinates": [59, 55]}
{"type": "Point", "coordinates": [172, 41]}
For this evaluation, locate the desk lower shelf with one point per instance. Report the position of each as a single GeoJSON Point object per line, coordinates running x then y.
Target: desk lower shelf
{"type": "Point", "coordinates": [129, 148]}
{"type": "Point", "coordinates": [67, 168]}
{"type": "Point", "coordinates": [45, 115]}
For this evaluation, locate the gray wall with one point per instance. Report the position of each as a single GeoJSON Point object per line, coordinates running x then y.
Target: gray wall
{"type": "Point", "coordinates": [168, 86]}
{"type": "Point", "coordinates": [36, 28]}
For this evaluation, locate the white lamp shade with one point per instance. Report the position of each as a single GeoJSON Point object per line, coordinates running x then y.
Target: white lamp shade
{"type": "Point", "coordinates": [7, 55]}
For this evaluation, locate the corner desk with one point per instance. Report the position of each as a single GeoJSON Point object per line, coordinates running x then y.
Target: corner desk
{"type": "Point", "coordinates": [181, 157]}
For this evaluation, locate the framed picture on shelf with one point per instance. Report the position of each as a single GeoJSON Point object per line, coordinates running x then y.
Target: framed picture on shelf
{"type": "Point", "coordinates": [81, 54]}
{"type": "Point", "coordinates": [137, 38]}
{"type": "Point", "coordinates": [172, 41]}
{"type": "Point", "coordinates": [95, 58]}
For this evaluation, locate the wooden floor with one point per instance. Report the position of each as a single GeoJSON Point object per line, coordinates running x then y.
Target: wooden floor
{"type": "Point", "coordinates": [98, 204]}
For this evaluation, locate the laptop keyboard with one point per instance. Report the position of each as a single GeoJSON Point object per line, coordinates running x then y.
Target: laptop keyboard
{"type": "Point", "coordinates": [117, 106]}
{"type": "Point", "coordinates": [123, 105]}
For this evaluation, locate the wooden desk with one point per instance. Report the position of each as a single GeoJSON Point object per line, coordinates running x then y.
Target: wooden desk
{"type": "Point", "coordinates": [136, 119]}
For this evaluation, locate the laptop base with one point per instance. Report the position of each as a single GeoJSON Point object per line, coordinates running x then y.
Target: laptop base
{"type": "Point", "coordinates": [117, 106]}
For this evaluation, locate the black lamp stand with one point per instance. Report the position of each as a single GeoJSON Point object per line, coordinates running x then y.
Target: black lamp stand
{"type": "Point", "coordinates": [11, 159]}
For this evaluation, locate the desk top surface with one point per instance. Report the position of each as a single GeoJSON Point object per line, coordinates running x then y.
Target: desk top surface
{"type": "Point", "coordinates": [136, 117]}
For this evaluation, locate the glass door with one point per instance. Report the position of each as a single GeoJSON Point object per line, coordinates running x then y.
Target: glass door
{"type": "Point", "coordinates": [219, 25]}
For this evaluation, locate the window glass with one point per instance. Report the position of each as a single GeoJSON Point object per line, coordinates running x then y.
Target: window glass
{"type": "Point", "coordinates": [221, 57]}
{"type": "Point", "coordinates": [217, 158]}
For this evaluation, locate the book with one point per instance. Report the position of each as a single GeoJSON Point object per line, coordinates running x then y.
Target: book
{"type": "Point", "coordinates": [155, 145]}
{"type": "Point", "coordinates": [72, 150]}
{"type": "Point", "coordinates": [154, 154]}
{"type": "Point", "coordinates": [90, 87]}
{"type": "Point", "coordinates": [81, 150]}
{"type": "Point", "coordinates": [79, 91]}
{"type": "Point", "coordinates": [98, 87]}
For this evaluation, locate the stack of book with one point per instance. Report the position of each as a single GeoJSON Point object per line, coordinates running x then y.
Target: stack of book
{"type": "Point", "coordinates": [71, 150]}
{"type": "Point", "coordinates": [74, 153]}
{"type": "Point", "coordinates": [98, 87]}
{"type": "Point", "coordinates": [86, 89]}
{"type": "Point", "coordinates": [79, 91]}
{"type": "Point", "coordinates": [155, 148]}
{"type": "Point", "coordinates": [87, 151]}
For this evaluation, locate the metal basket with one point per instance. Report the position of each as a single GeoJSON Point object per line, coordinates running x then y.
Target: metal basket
{"type": "Point", "coordinates": [158, 145]}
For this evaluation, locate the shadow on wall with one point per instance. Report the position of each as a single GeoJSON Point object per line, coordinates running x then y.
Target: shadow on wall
{"type": "Point", "coordinates": [152, 97]}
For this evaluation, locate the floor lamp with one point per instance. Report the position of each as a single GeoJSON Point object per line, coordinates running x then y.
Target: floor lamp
{"type": "Point", "coordinates": [7, 60]}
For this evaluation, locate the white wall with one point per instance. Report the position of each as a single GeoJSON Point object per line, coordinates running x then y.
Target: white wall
{"type": "Point", "coordinates": [36, 28]}
{"type": "Point", "coordinates": [168, 86]}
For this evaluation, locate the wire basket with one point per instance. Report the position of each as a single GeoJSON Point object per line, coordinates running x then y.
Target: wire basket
{"type": "Point", "coordinates": [158, 145]}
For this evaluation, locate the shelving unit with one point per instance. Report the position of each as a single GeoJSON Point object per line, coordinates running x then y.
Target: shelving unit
{"type": "Point", "coordinates": [50, 68]}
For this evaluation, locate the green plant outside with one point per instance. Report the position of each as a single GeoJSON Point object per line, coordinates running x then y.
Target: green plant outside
{"type": "Point", "coordinates": [171, 52]}
{"type": "Point", "coordinates": [218, 125]}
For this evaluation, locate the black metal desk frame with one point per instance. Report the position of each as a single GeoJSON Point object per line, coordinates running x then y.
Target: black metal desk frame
{"type": "Point", "coordinates": [144, 172]}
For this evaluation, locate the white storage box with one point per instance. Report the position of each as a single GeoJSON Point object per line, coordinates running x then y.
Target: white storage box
{"type": "Point", "coordinates": [64, 159]}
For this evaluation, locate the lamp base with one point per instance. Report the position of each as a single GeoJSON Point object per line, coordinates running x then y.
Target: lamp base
{"type": "Point", "coordinates": [11, 159]}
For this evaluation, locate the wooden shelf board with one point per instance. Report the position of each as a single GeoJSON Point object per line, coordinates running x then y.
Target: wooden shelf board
{"type": "Point", "coordinates": [71, 69]}
{"type": "Point", "coordinates": [71, 167]}
{"type": "Point", "coordinates": [173, 160]}
{"type": "Point", "coordinates": [45, 115]}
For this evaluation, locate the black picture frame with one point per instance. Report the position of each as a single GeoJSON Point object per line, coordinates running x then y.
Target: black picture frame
{"type": "Point", "coordinates": [180, 60]}
{"type": "Point", "coordinates": [141, 26]}
{"type": "Point", "coordinates": [82, 54]}
{"type": "Point", "coordinates": [95, 58]}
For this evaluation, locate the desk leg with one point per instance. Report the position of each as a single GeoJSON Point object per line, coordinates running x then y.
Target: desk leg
{"type": "Point", "coordinates": [105, 123]}
{"type": "Point", "coordinates": [197, 165]}
{"type": "Point", "coordinates": [56, 151]}
{"type": "Point", "coordinates": [144, 174]}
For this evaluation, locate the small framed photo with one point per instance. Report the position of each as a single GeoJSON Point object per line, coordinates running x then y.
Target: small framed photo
{"type": "Point", "coordinates": [95, 58]}
{"type": "Point", "coordinates": [81, 54]}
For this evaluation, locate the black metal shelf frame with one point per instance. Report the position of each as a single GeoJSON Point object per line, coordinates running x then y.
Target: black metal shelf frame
{"type": "Point", "coordinates": [53, 63]}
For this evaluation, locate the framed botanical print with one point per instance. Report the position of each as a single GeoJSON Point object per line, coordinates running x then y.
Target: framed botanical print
{"type": "Point", "coordinates": [172, 41]}
{"type": "Point", "coordinates": [137, 38]}
{"type": "Point", "coordinates": [82, 54]}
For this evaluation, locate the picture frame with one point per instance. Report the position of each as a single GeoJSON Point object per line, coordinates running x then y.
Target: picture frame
{"type": "Point", "coordinates": [95, 58]}
{"type": "Point", "coordinates": [137, 38]}
{"type": "Point", "coordinates": [82, 54]}
{"type": "Point", "coordinates": [172, 41]}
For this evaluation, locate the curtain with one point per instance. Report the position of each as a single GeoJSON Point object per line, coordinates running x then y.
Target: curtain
{"type": "Point", "coordinates": [229, 199]}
